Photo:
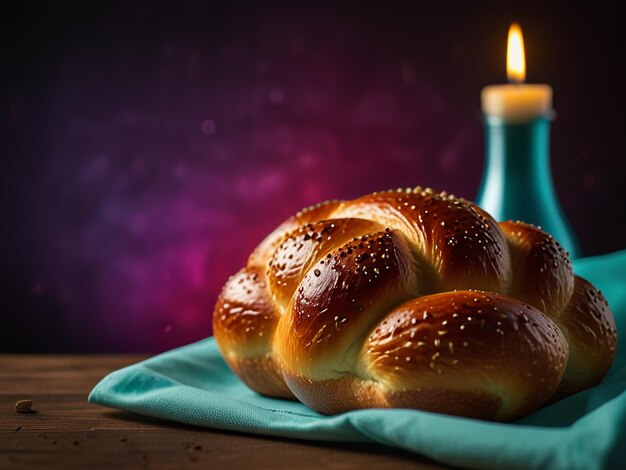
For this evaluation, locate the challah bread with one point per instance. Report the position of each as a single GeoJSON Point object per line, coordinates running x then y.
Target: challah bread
{"type": "Point", "coordinates": [413, 299]}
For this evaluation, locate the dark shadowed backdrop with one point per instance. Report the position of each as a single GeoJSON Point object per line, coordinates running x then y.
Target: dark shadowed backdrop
{"type": "Point", "coordinates": [146, 149]}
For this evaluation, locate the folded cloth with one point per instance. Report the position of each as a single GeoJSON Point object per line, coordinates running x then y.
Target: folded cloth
{"type": "Point", "coordinates": [587, 431]}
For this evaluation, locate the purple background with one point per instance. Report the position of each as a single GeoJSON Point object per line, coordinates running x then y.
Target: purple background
{"type": "Point", "coordinates": [146, 151]}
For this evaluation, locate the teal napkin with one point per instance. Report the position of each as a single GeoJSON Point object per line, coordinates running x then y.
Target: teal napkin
{"type": "Point", "coordinates": [587, 431]}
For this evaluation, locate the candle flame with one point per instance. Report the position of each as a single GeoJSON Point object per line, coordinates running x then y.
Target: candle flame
{"type": "Point", "coordinates": [515, 56]}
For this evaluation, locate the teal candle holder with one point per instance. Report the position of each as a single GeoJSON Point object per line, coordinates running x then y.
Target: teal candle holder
{"type": "Point", "coordinates": [517, 179]}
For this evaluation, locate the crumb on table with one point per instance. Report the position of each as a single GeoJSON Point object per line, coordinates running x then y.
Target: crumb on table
{"type": "Point", "coordinates": [24, 406]}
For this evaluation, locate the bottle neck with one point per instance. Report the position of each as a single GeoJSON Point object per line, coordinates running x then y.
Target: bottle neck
{"type": "Point", "coordinates": [517, 178]}
{"type": "Point", "coordinates": [521, 150]}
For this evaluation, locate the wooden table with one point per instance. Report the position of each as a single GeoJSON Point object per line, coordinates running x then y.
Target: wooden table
{"type": "Point", "coordinates": [69, 432]}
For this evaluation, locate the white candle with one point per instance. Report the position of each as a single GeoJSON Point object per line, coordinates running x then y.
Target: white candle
{"type": "Point", "coordinates": [517, 102]}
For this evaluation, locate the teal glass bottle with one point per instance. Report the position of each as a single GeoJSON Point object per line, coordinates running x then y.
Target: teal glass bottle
{"type": "Point", "coordinates": [517, 178]}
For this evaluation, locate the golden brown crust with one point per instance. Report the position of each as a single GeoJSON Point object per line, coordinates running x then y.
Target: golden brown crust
{"type": "Point", "coordinates": [261, 374]}
{"type": "Point", "coordinates": [543, 271]}
{"type": "Point", "coordinates": [589, 328]}
{"type": "Point", "coordinates": [342, 298]}
{"type": "Point", "coordinates": [458, 243]}
{"type": "Point", "coordinates": [365, 303]}
{"type": "Point", "coordinates": [303, 247]}
{"type": "Point", "coordinates": [244, 323]}
{"type": "Point", "coordinates": [244, 320]}
{"type": "Point", "coordinates": [261, 255]}
{"type": "Point", "coordinates": [348, 393]}
{"type": "Point", "coordinates": [336, 395]}
{"type": "Point", "coordinates": [472, 342]}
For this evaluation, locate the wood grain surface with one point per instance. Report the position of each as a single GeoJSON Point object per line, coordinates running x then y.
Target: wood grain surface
{"type": "Point", "coordinates": [68, 432]}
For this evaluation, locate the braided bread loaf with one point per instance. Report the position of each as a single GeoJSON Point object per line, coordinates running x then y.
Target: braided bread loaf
{"type": "Point", "coordinates": [413, 299]}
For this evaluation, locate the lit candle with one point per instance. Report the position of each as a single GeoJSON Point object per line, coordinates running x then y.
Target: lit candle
{"type": "Point", "coordinates": [516, 102]}
{"type": "Point", "coordinates": [517, 178]}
